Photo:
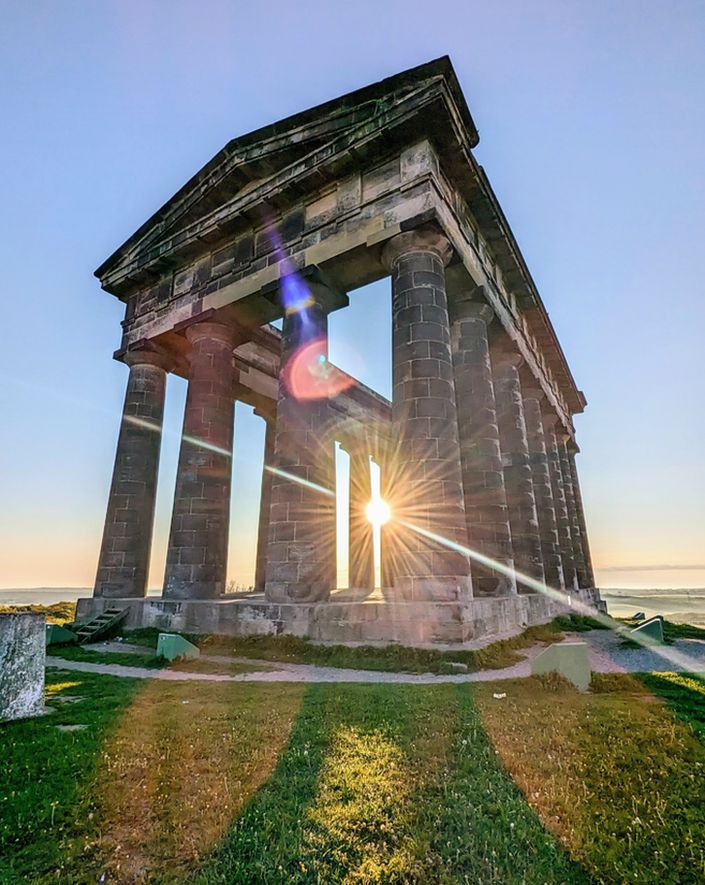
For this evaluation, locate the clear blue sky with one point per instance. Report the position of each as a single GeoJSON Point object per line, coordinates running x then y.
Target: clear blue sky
{"type": "Point", "coordinates": [592, 124]}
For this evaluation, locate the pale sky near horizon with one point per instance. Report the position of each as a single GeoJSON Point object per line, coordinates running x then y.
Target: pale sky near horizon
{"type": "Point", "coordinates": [592, 122]}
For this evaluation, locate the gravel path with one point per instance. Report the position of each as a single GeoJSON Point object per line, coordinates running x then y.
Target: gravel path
{"type": "Point", "coordinates": [606, 656]}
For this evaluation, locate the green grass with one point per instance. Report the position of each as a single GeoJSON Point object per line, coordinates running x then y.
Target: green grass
{"type": "Point", "coordinates": [684, 694]}
{"type": "Point", "coordinates": [48, 776]}
{"type": "Point", "coordinates": [389, 784]}
{"type": "Point", "coordinates": [613, 773]}
{"type": "Point", "coordinates": [390, 658]}
{"type": "Point", "coordinates": [58, 613]}
{"type": "Point", "coordinates": [91, 656]}
{"type": "Point", "coordinates": [206, 783]}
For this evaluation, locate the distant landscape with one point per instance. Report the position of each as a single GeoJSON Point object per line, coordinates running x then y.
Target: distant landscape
{"type": "Point", "coordinates": [680, 606]}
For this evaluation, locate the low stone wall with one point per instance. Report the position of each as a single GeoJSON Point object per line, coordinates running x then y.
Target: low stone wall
{"type": "Point", "coordinates": [409, 623]}
{"type": "Point", "coordinates": [22, 661]}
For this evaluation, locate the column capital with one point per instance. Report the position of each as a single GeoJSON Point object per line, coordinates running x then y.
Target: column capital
{"type": "Point", "coordinates": [502, 359]}
{"type": "Point", "coordinates": [463, 308]}
{"type": "Point", "coordinates": [213, 331]}
{"type": "Point", "coordinates": [148, 355]}
{"type": "Point", "coordinates": [422, 239]}
{"type": "Point", "coordinates": [532, 392]}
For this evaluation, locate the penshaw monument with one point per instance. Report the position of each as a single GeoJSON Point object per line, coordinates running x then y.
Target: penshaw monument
{"type": "Point", "coordinates": [476, 450]}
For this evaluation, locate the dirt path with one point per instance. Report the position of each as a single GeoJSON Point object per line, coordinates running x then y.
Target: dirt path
{"type": "Point", "coordinates": [606, 656]}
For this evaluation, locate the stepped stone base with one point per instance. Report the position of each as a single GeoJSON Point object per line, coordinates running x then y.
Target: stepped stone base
{"type": "Point", "coordinates": [371, 620]}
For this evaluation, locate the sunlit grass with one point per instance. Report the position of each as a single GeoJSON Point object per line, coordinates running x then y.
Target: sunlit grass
{"type": "Point", "coordinates": [391, 658]}
{"type": "Point", "coordinates": [389, 784]}
{"type": "Point", "coordinates": [613, 774]}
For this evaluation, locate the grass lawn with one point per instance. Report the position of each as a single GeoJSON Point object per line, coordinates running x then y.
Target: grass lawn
{"type": "Point", "coordinates": [281, 783]}
{"type": "Point", "coordinates": [390, 658]}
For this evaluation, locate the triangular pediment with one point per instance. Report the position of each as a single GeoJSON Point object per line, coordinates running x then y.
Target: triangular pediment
{"type": "Point", "coordinates": [254, 173]}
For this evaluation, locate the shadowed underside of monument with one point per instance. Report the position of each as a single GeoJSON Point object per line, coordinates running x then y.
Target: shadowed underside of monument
{"type": "Point", "coordinates": [476, 449]}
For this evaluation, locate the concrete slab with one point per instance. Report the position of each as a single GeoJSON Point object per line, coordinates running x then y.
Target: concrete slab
{"type": "Point", "coordinates": [569, 659]}
{"type": "Point", "coordinates": [172, 646]}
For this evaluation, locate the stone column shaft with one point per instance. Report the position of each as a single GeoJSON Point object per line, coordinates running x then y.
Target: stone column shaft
{"type": "Point", "coordinates": [301, 555]}
{"type": "Point", "coordinates": [526, 540]}
{"type": "Point", "coordinates": [576, 541]}
{"type": "Point", "coordinates": [486, 509]}
{"type": "Point", "coordinates": [543, 490]}
{"type": "Point", "coordinates": [361, 556]}
{"type": "Point", "coordinates": [265, 504]}
{"type": "Point", "coordinates": [427, 483]}
{"type": "Point", "coordinates": [585, 547]}
{"type": "Point", "coordinates": [565, 541]}
{"type": "Point", "coordinates": [123, 566]}
{"type": "Point", "coordinates": [197, 557]}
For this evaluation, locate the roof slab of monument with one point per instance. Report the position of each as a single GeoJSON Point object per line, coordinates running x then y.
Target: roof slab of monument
{"type": "Point", "coordinates": [260, 177]}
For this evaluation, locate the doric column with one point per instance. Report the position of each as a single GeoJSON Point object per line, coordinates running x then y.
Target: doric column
{"type": "Point", "coordinates": [526, 540]}
{"type": "Point", "coordinates": [123, 566]}
{"type": "Point", "coordinates": [386, 541]}
{"type": "Point", "coordinates": [197, 556]}
{"type": "Point", "coordinates": [486, 509]}
{"type": "Point", "coordinates": [565, 540]}
{"type": "Point", "coordinates": [587, 559]}
{"type": "Point", "coordinates": [301, 564]}
{"type": "Point", "coordinates": [543, 490]}
{"type": "Point", "coordinates": [265, 503]}
{"type": "Point", "coordinates": [361, 552]}
{"type": "Point", "coordinates": [575, 534]}
{"type": "Point", "coordinates": [427, 491]}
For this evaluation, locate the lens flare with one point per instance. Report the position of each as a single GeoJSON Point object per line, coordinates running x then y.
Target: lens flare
{"type": "Point", "coordinates": [378, 511]}
{"type": "Point", "coordinates": [671, 655]}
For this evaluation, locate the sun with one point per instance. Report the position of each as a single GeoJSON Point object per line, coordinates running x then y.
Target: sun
{"type": "Point", "coordinates": [378, 511]}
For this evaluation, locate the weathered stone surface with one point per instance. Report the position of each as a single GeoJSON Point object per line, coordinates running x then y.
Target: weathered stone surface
{"type": "Point", "coordinates": [361, 557]}
{"type": "Point", "coordinates": [584, 545]}
{"type": "Point", "coordinates": [301, 552]}
{"type": "Point", "coordinates": [486, 509]}
{"type": "Point", "coordinates": [379, 181]}
{"type": "Point", "coordinates": [198, 542]}
{"type": "Point", "coordinates": [581, 568]}
{"type": "Point", "coordinates": [265, 505]}
{"type": "Point", "coordinates": [543, 489]}
{"type": "Point", "coordinates": [518, 481]}
{"type": "Point", "coordinates": [123, 565]}
{"type": "Point", "coordinates": [426, 492]}
{"type": "Point", "coordinates": [568, 659]}
{"type": "Point", "coordinates": [565, 542]}
{"type": "Point", "coordinates": [22, 660]}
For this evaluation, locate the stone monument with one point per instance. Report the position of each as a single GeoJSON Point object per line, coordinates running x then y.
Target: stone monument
{"type": "Point", "coordinates": [476, 449]}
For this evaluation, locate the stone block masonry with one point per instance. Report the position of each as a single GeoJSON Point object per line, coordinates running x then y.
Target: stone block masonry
{"type": "Point", "coordinates": [476, 448]}
{"type": "Point", "coordinates": [22, 660]}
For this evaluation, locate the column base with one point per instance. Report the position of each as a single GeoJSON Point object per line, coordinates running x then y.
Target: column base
{"type": "Point", "coordinates": [317, 591]}
{"type": "Point", "coordinates": [446, 589]}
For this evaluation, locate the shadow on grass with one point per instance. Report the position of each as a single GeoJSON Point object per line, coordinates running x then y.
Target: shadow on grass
{"type": "Point", "coordinates": [48, 779]}
{"type": "Point", "coordinates": [684, 694]}
{"type": "Point", "coordinates": [389, 784]}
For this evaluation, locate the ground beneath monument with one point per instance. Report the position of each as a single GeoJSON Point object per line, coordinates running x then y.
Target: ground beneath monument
{"type": "Point", "coordinates": [606, 652]}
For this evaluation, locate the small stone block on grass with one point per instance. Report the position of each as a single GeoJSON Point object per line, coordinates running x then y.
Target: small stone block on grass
{"type": "Point", "coordinates": [172, 646]}
{"type": "Point", "coordinates": [568, 659]}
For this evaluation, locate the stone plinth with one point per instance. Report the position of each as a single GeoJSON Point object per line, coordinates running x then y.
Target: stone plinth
{"type": "Point", "coordinates": [374, 621]}
{"type": "Point", "coordinates": [22, 661]}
